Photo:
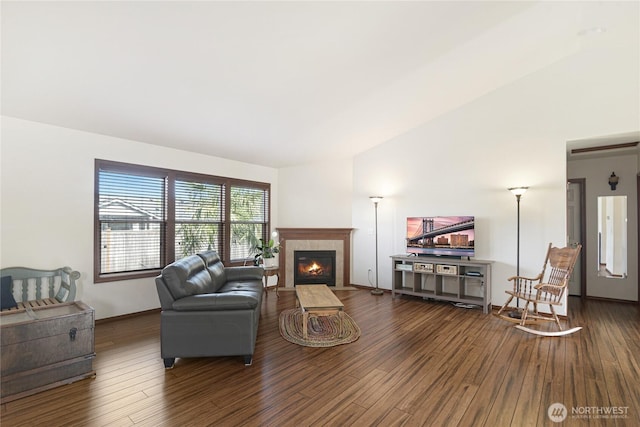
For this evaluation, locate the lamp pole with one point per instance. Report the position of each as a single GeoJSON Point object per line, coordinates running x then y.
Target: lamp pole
{"type": "Point", "coordinates": [518, 236]}
{"type": "Point", "coordinates": [376, 200]}
{"type": "Point", "coordinates": [518, 192]}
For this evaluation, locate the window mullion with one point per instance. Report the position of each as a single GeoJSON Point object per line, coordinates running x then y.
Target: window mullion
{"type": "Point", "coordinates": [226, 221]}
{"type": "Point", "coordinates": [170, 219]}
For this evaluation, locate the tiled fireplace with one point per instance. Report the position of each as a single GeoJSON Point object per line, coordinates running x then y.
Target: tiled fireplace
{"type": "Point", "coordinates": [306, 240]}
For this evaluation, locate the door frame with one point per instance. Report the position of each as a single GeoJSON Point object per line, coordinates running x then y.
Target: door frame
{"type": "Point", "coordinates": [638, 228]}
{"type": "Point", "coordinates": [582, 182]}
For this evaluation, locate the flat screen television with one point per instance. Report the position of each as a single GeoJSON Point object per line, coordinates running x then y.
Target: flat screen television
{"type": "Point", "coordinates": [450, 236]}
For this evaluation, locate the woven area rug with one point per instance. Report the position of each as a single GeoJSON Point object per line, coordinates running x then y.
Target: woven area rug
{"type": "Point", "coordinates": [323, 330]}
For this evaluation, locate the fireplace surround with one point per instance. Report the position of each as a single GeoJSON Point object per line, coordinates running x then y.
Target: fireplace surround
{"type": "Point", "coordinates": [315, 239]}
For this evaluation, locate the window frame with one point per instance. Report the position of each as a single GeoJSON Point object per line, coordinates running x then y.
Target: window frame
{"type": "Point", "coordinates": [167, 253]}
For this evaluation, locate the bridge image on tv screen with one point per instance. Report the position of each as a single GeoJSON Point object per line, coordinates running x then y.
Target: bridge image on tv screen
{"type": "Point", "coordinates": [441, 235]}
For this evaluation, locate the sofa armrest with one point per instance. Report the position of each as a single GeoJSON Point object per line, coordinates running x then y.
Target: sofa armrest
{"type": "Point", "coordinates": [166, 299]}
{"type": "Point", "coordinates": [235, 300]}
{"type": "Point", "coordinates": [243, 273]}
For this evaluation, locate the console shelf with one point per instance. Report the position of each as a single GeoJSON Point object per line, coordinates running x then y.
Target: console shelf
{"type": "Point", "coordinates": [458, 281]}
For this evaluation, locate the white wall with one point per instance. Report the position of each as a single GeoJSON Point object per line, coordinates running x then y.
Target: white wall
{"type": "Point", "coordinates": [316, 195]}
{"type": "Point", "coordinates": [47, 183]}
{"type": "Point", "coordinates": [596, 172]}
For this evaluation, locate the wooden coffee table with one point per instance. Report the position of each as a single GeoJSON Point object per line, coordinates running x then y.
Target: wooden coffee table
{"type": "Point", "coordinates": [318, 300]}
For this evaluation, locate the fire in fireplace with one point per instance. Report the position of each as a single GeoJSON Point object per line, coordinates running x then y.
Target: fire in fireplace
{"type": "Point", "coordinates": [314, 267]}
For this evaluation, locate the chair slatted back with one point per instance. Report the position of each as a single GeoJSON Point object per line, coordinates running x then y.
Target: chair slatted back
{"type": "Point", "coordinates": [561, 262]}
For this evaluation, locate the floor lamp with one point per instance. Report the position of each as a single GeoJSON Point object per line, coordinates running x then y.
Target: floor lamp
{"type": "Point", "coordinates": [518, 192]}
{"type": "Point", "coordinates": [376, 200]}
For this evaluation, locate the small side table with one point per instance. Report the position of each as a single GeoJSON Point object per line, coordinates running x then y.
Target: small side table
{"type": "Point", "coordinates": [271, 271]}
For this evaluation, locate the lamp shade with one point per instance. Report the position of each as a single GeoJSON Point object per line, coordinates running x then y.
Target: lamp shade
{"type": "Point", "coordinates": [518, 191]}
{"type": "Point", "coordinates": [375, 199]}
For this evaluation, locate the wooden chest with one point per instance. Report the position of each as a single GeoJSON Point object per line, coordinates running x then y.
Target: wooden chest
{"type": "Point", "coordinates": [45, 347]}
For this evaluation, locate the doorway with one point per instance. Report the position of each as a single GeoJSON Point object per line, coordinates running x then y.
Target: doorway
{"type": "Point", "coordinates": [576, 233]}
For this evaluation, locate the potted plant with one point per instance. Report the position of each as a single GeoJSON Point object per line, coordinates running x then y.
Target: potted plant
{"type": "Point", "coordinates": [266, 250]}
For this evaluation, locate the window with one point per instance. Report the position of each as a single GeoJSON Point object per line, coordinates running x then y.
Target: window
{"type": "Point", "coordinates": [145, 218]}
{"type": "Point", "coordinates": [199, 217]}
{"type": "Point", "coordinates": [249, 219]}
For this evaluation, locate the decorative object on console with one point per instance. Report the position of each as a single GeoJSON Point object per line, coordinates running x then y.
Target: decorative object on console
{"type": "Point", "coordinates": [376, 200]}
{"type": "Point", "coordinates": [518, 192]}
{"type": "Point", "coordinates": [613, 181]}
{"type": "Point", "coordinates": [451, 270]}
{"type": "Point", "coordinates": [419, 267]}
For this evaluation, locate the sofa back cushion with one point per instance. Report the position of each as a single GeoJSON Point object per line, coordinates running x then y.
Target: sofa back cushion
{"type": "Point", "coordinates": [215, 268]}
{"type": "Point", "coordinates": [187, 277]}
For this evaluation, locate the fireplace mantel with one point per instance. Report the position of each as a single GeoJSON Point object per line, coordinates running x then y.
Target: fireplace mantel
{"type": "Point", "coordinates": [339, 236]}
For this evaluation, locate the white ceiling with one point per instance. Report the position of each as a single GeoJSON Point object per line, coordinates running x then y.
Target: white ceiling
{"type": "Point", "coordinates": [274, 83]}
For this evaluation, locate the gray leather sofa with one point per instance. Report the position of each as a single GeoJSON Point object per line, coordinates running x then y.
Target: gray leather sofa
{"type": "Point", "coordinates": [208, 309]}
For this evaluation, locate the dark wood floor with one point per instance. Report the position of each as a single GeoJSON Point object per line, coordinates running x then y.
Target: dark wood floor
{"type": "Point", "coordinates": [417, 363]}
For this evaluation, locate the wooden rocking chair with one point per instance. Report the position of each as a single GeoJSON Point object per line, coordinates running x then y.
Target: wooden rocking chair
{"type": "Point", "coordinates": [537, 290]}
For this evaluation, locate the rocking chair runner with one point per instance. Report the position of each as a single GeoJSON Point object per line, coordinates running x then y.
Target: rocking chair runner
{"type": "Point", "coordinates": [534, 291]}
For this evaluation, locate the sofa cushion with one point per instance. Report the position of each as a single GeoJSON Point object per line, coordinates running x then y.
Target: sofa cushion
{"type": "Point", "coordinates": [209, 257]}
{"type": "Point", "coordinates": [237, 300]}
{"type": "Point", "coordinates": [215, 267]}
{"type": "Point", "coordinates": [240, 286]}
{"type": "Point", "coordinates": [187, 277]}
{"type": "Point", "coordinates": [6, 296]}
{"type": "Point", "coordinates": [199, 283]}
{"type": "Point", "coordinates": [218, 276]}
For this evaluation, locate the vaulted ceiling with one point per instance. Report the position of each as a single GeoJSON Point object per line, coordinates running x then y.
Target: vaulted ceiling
{"type": "Point", "coordinates": [277, 83]}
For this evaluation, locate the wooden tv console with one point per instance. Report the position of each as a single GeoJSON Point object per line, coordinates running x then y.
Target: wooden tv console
{"type": "Point", "coordinates": [445, 279]}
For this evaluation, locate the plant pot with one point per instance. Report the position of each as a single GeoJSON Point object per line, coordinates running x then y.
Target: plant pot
{"type": "Point", "coordinates": [270, 262]}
